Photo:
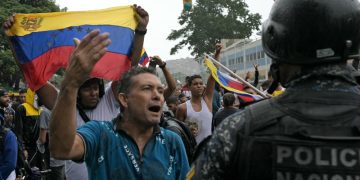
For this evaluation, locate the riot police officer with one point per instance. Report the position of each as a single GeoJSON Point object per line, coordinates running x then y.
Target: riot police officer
{"type": "Point", "coordinates": [312, 131]}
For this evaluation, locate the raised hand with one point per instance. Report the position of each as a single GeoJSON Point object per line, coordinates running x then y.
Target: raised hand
{"type": "Point", "coordinates": [9, 22]}
{"type": "Point", "coordinates": [256, 66]}
{"type": "Point", "coordinates": [142, 17]}
{"type": "Point", "coordinates": [158, 60]}
{"type": "Point", "coordinates": [86, 54]}
{"type": "Point", "coordinates": [218, 48]}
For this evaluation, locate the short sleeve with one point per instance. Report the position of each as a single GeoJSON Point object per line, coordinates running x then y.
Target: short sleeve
{"type": "Point", "coordinates": [90, 133]}
{"type": "Point", "coordinates": [44, 119]}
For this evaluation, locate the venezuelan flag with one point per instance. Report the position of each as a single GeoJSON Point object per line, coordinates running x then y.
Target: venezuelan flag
{"type": "Point", "coordinates": [43, 42]}
{"type": "Point", "coordinates": [230, 83]}
{"type": "Point", "coordinates": [144, 58]}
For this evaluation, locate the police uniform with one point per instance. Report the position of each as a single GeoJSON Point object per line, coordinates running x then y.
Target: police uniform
{"type": "Point", "coordinates": [312, 130]}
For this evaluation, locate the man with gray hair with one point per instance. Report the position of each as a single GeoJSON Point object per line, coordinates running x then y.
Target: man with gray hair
{"type": "Point", "coordinates": [132, 145]}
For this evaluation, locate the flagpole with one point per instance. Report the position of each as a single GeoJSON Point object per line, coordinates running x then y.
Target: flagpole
{"type": "Point", "coordinates": [237, 77]}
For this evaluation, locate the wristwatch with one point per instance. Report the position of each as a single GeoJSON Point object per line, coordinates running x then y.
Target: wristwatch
{"type": "Point", "coordinates": [140, 32]}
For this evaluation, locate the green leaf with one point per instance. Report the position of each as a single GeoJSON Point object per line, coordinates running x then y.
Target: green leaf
{"type": "Point", "coordinates": [212, 20]}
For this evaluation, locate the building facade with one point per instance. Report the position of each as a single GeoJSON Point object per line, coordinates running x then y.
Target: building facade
{"type": "Point", "coordinates": [241, 55]}
{"type": "Point", "coordinates": [237, 55]}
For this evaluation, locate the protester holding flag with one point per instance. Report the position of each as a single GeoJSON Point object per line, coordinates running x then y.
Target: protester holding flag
{"type": "Point", "coordinates": [94, 100]}
{"type": "Point", "coordinates": [199, 108]}
{"type": "Point", "coordinates": [230, 84]}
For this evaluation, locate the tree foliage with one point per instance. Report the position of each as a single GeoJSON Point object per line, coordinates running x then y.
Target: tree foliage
{"type": "Point", "coordinates": [10, 73]}
{"type": "Point", "coordinates": [212, 20]}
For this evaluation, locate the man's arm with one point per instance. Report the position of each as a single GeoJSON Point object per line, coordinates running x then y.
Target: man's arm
{"type": "Point", "coordinates": [143, 19]}
{"type": "Point", "coordinates": [171, 84]}
{"type": "Point", "coordinates": [44, 126]}
{"type": "Point", "coordinates": [256, 80]}
{"type": "Point", "coordinates": [42, 135]}
{"type": "Point", "coordinates": [64, 142]}
{"type": "Point", "coordinates": [48, 94]}
{"type": "Point", "coordinates": [209, 90]}
{"type": "Point", "coordinates": [181, 112]}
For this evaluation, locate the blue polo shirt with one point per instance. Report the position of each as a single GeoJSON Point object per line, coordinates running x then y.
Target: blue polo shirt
{"type": "Point", "coordinates": [112, 154]}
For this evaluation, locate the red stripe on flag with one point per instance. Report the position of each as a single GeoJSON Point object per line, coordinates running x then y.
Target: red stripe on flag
{"type": "Point", "coordinates": [246, 98]}
{"type": "Point", "coordinates": [111, 66]}
{"type": "Point", "coordinates": [42, 68]}
{"type": "Point", "coordinates": [235, 85]}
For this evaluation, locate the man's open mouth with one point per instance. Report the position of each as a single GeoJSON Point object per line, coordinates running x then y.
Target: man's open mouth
{"type": "Point", "coordinates": [155, 108]}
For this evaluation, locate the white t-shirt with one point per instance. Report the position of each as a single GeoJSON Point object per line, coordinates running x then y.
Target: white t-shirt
{"type": "Point", "coordinates": [203, 119]}
{"type": "Point", "coordinates": [106, 110]}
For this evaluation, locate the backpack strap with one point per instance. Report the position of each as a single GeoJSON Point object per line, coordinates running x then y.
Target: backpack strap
{"type": "Point", "coordinates": [82, 113]}
{"type": "Point", "coordinates": [173, 124]}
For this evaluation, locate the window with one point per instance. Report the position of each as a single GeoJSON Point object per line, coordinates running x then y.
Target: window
{"type": "Point", "coordinates": [238, 60]}
{"type": "Point", "coordinates": [231, 62]}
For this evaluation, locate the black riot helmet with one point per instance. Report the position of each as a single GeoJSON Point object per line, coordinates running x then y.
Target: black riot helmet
{"type": "Point", "coordinates": [312, 31]}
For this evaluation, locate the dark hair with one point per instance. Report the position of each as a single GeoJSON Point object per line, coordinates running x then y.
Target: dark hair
{"type": "Point", "coordinates": [181, 95]}
{"type": "Point", "coordinates": [126, 79]}
{"type": "Point", "coordinates": [266, 84]}
{"type": "Point", "coordinates": [191, 78]}
{"type": "Point", "coordinates": [92, 81]}
{"type": "Point", "coordinates": [228, 99]}
{"type": "Point", "coordinates": [171, 100]}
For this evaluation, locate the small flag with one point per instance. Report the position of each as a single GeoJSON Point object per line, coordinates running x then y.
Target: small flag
{"type": "Point", "coordinates": [229, 83]}
{"type": "Point", "coordinates": [144, 59]}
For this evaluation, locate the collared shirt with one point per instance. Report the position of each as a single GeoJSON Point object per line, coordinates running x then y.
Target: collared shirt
{"type": "Point", "coordinates": [112, 154]}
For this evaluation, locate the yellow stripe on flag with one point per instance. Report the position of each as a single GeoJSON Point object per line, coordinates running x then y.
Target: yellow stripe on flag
{"type": "Point", "coordinates": [214, 74]}
{"type": "Point", "coordinates": [38, 22]}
